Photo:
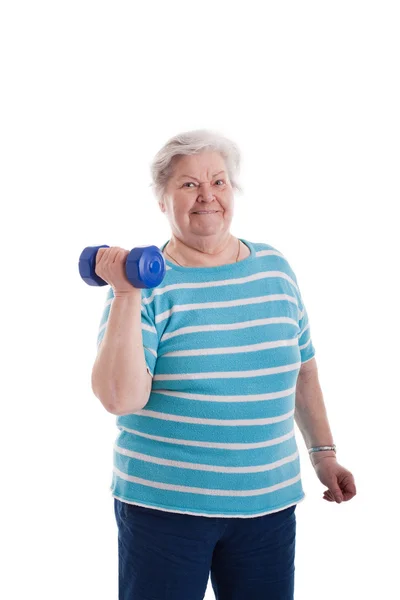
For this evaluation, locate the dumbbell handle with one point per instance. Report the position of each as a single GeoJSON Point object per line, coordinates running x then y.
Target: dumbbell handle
{"type": "Point", "coordinates": [144, 268]}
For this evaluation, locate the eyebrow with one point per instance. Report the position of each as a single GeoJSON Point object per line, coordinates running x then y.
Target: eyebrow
{"type": "Point", "coordinates": [191, 176]}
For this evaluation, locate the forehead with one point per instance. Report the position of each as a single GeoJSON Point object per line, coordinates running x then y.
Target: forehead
{"type": "Point", "coordinates": [203, 164]}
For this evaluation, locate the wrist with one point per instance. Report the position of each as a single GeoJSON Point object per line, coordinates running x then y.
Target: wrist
{"type": "Point", "coordinates": [134, 293]}
{"type": "Point", "coordinates": [316, 457]}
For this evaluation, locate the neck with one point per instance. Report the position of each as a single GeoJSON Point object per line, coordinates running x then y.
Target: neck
{"type": "Point", "coordinates": [204, 252]}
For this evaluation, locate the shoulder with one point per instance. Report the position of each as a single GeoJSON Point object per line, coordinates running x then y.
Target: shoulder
{"type": "Point", "coordinates": [264, 248]}
{"type": "Point", "coordinates": [278, 258]}
{"type": "Point", "coordinates": [273, 259]}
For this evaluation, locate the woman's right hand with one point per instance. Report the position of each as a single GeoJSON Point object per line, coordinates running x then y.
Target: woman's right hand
{"type": "Point", "coordinates": [110, 266]}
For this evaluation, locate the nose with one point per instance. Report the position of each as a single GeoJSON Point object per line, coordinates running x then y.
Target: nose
{"type": "Point", "coordinates": [206, 193]}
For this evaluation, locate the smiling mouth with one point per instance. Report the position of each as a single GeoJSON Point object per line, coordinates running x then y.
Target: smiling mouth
{"type": "Point", "coordinates": [208, 212]}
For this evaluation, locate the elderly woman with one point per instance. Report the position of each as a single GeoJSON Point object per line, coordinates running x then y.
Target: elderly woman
{"type": "Point", "coordinates": [206, 374]}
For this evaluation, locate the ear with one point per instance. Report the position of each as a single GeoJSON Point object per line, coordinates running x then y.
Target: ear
{"type": "Point", "coordinates": [162, 203]}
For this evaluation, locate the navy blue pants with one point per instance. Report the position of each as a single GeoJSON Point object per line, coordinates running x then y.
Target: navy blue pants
{"type": "Point", "coordinates": [170, 556]}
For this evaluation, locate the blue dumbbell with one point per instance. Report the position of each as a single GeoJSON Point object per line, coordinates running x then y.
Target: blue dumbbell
{"type": "Point", "coordinates": [145, 266]}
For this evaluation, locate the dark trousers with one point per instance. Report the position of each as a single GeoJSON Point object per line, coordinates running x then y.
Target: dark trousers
{"type": "Point", "coordinates": [170, 556]}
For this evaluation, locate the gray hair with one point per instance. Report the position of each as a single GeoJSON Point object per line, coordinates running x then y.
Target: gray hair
{"type": "Point", "coordinates": [193, 142]}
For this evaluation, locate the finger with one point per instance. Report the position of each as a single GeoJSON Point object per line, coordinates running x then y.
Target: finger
{"type": "Point", "coordinates": [336, 491]}
{"type": "Point", "coordinates": [331, 495]}
{"type": "Point", "coordinates": [350, 488]}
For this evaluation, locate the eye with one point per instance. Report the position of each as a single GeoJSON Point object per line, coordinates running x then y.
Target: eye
{"type": "Point", "coordinates": [221, 181]}
{"type": "Point", "coordinates": [188, 183]}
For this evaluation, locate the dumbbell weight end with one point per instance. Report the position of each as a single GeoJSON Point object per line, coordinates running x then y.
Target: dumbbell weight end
{"type": "Point", "coordinates": [87, 264]}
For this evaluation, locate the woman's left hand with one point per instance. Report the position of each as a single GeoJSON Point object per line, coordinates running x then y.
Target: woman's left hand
{"type": "Point", "coordinates": [340, 481]}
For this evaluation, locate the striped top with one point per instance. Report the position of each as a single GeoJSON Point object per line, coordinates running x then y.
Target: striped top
{"type": "Point", "coordinates": [224, 346]}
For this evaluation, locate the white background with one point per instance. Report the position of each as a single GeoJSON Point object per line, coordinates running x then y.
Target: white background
{"type": "Point", "coordinates": [90, 90]}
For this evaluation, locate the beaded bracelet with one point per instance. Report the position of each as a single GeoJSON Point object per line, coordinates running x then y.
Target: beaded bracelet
{"type": "Point", "coordinates": [321, 448]}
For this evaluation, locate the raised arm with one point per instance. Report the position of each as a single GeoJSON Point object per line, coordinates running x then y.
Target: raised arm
{"type": "Point", "coordinates": [120, 378]}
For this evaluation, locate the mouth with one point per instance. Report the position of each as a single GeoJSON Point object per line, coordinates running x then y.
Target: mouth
{"type": "Point", "coordinates": [205, 212]}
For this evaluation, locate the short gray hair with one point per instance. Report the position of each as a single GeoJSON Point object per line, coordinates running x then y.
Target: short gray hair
{"type": "Point", "coordinates": [193, 142]}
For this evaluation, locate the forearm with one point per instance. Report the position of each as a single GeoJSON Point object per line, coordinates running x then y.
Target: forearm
{"type": "Point", "coordinates": [311, 416]}
{"type": "Point", "coordinates": [119, 376]}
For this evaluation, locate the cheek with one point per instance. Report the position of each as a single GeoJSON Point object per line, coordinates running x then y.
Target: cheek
{"type": "Point", "coordinates": [182, 210]}
{"type": "Point", "coordinates": [227, 204]}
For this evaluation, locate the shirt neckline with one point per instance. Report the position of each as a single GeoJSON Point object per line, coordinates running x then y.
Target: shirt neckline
{"type": "Point", "coordinates": [216, 268]}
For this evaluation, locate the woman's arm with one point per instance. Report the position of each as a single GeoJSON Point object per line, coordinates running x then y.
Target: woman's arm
{"type": "Point", "coordinates": [310, 412]}
{"type": "Point", "coordinates": [120, 379]}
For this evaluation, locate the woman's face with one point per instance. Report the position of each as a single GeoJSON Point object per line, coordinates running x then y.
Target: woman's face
{"type": "Point", "coordinates": [199, 182]}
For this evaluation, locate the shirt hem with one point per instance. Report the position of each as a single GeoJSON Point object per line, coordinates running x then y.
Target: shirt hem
{"type": "Point", "coordinates": [201, 514]}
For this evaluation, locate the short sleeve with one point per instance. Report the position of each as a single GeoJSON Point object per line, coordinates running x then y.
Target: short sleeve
{"type": "Point", "coordinates": [149, 332]}
{"type": "Point", "coordinates": [306, 347]}
{"type": "Point", "coordinates": [150, 340]}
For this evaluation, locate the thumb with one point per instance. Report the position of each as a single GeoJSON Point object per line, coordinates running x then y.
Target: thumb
{"type": "Point", "coordinates": [336, 491]}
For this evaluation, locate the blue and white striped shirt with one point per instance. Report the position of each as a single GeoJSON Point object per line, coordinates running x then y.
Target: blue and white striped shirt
{"type": "Point", "coordinates": [224, 345]}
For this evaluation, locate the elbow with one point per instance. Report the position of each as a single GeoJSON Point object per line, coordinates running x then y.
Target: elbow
{"type": "Point", "coordinates": [111, 408]}
{"type": "Point", "coordinates": [117, 408]}
{"type": "Point", "coordinates": [116, 403]}
{"type": "Point", "coordinates": [130, 407]}
{"type": "Point", "coordinates": [122, 411]}
{"type": "Point", "coordinates": [108, 404]}
{"type": "Point", "coordinates": [101, 394]}
{"type": "Point", "coordinates": [133, 403]}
